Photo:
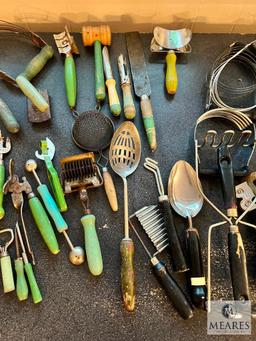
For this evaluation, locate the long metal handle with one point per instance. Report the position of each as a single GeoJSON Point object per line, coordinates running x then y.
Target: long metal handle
{"type": "Point", "coordinates": [126, 210]}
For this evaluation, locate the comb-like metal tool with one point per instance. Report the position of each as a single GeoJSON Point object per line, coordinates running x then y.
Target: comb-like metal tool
{"type": "Point", "coordinates": [151, 219]}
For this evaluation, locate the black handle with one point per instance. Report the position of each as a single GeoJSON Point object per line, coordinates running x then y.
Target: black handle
{"type": "Point", "coordinates": [227, 177]}
{"type": "Point", "coordinates": [197, 278]}
{"type": "Point", "coordinates": [237, 261]}
{"type": "Point", "coordinates": [172, 289]}
{"type": "Point", "coordinates": [178, 259]}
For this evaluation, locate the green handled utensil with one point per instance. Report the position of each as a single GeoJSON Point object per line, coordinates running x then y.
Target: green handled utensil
{"type": "Point", "coordinates": [141, 85]}
{"type": "Point", "coordinates": [21, 283]}
{"type": "Point", "coordinates": [41, 219]}
{"type": "Point", "coordinates": [6, 263]}
{"type": "Point", "coordinates": [32, 68]}
{"type": "Point", "coordinates": [48, 151]}
{"type": "Point", "coordinates": [3, 150]}
{"type": "Point", "coordinates": [97, 36]}
{"type": "Point", "coordinates": [80, 172]}
{"type": "Point", "coordinates": [8, 119]}
{"type": "Point", "coordinates": [66, 45]}
{"type": "Point", "coordinates": [76, 255]}
{"type": "Point", "coordinates": [35, 291]}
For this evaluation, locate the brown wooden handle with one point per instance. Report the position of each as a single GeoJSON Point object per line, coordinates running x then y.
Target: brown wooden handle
{"type": "Point", "coordinates": [110, 190]}
{"type": "Point", "coordinates": [127, 273]}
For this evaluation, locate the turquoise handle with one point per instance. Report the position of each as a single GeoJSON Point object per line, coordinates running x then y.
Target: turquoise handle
{"type": "Point", "coordinates": [7, 274]}
{"type": "Point", "coordinates": [21, 283]}
{"type": "Point", "coordinates": [70, 80]}
{"type": "Point", "coordinates": [92, 245]}
{"type": "Point", "coordinates": [35, 291]}
{"type": "Point", "coordinates": [2, 179]}
{"type": "Point", "coordinates": [100, 91]}
{"type": "Point", "coordinates": [52, 208]}
{"type": "Point", "coordinates": [44, 225]}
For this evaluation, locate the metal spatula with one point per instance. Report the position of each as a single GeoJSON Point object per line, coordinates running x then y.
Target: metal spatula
{"type": "Point", "coordinates": [124, 155]}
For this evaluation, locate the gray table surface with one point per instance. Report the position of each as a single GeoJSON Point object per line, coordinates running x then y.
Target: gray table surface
{"type": "Point", "coordinates": [77, 306]}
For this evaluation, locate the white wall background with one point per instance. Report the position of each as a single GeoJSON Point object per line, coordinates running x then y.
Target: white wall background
{"type": "Point", "coordinates": [232, 16]}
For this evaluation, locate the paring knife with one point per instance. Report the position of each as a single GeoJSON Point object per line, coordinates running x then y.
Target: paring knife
{"type": "Point", "coordinates": [129, 108]}
{"type": "Point", "coordinates": [114, 103]}
{"type": "Point", "coordinates": [141, 84]}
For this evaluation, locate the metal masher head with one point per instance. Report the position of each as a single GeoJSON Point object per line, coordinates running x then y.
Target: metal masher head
{"type": "Point", "coordinates": [152, 222]}
{"type": "Point", "coordinates": [92, 131]}
{"type": "Point", "coordinates": [152, 166]}
{"type": "Point", "coordinates": [213, 131]}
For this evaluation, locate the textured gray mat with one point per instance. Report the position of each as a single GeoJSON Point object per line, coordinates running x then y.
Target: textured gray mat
{"type": "Point", "coordinates": [77, 306]}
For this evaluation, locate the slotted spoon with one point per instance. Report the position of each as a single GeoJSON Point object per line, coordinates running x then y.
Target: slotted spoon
{"type": "Point", "coordinates": [124, 157]}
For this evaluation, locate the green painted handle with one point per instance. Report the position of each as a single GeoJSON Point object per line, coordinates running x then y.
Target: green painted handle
{"type": "Point", "coordinates": [52, 208]}
{"type": "Point", "coordinates": [35, 291]}
{"type": "Point", "coordinates": [148, 120]}
{"type": "Point", "coordinates": [7, 274]}
{"type": "Point", "coordinates": [114, 102]}
{"type": "Point", "coordinates": [31, 70]}
{"type": "Point", "coordinates": [2, 179]}
{"type": "Point", "coordinates": [56, 186]}
{"type": "Point", "coordinates": [129, 107]}
{"type": "Point", "coordinates": [100, 91]}
{"type": "Point", "coordinates": [38, 62]}
{"type": "Point", "coordinates": [21, 283]}
{"type": "Point", "coordinates": [8, 119]}
{"type": "Point", "coordinates": [44, 225]}
{"type": "Point", "coordinates": [32, 93]}
{"type": "Point", "coordinates": [92, 245]}
{"type": "Point", "coordinates": [127, 273]}
{"type": "Point", "coordinates": [70, 80]}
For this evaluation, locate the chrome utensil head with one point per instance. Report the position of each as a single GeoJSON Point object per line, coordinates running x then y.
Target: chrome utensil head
{"type": "Point", "coordinates": [183, 191]}
{"type": "Point", "coordinates": [172, 39]}
{"type": "Point", "coordinates": [125, 149]}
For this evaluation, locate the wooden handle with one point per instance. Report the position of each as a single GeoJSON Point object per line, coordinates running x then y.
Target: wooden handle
{"type": "Point", "coordinates": [198, 287]}
{"type": "Point", "coordinates": [92, 245]}
{"type": "Point", "coordinates": [110, 189]}
{"type": "Point", "coordinates": [8, 119]}
{"type": "Point", "coordinates": [171, 79]}
{"type": "Point", "coordinates": [129, 108]}
{"type": "Point", "coordinates": [148, 120]}
{"type": "Point", "coordinates": [100, 91]}
{"type": "Point", "coordinates": [70, 80]}
{"type": "Point", "coordinates": [238, 268]}
{"type": "Point", "coordinates": [7, 274]}
{"type": "Point", "coordinates": [114, 102]}
{"type": "Point", "coordinates": [127, 273]}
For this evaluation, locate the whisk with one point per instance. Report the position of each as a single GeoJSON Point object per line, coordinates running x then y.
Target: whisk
{"type": "Point", "coordinates": [226, 143]}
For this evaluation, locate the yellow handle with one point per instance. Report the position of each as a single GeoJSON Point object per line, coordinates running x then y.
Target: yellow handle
{"type": "Point", "coordinates": [171, 80]}
{"type": "Point", "coordinates": [114, 103]}
{"type": "Point", "coordinates": [110, 189]}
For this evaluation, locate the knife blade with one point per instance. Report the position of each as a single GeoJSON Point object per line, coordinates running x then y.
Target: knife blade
{"type": "Point", "coordinates": [141, 84]}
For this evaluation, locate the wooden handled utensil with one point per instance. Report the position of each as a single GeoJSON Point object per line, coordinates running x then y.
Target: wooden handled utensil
{"type": "Point", "coordinates": [124, 156]}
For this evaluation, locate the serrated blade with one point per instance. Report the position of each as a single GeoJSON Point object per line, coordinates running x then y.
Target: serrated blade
{"type": "Point", "coordinates": [138, 66]}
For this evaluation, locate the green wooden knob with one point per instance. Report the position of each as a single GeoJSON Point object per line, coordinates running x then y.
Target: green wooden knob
{"type": "Point", "coordinates": [92, 245]}
{"type": "Point", "coordinates": [21, 283]}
